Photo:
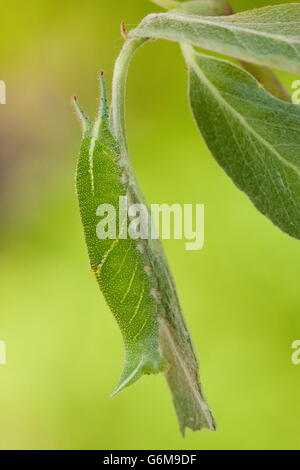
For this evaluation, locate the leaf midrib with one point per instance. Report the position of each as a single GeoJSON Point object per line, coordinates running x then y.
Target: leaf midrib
{"type": "Point", "coordinates": [201, 75]}
{"type": "Point", "coordinates": [204, 408]}
{"type": "Point", "coordinates": [231, 27]}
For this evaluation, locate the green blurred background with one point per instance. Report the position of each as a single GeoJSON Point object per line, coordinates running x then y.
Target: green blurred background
{"type": "Point", "coordinates": [240, 294]}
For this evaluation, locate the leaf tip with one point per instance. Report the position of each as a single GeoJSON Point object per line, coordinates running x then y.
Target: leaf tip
{"type": "Point", "coordinates": [124, 32]}
{"type": "Point", "coordinates": [166, 4]}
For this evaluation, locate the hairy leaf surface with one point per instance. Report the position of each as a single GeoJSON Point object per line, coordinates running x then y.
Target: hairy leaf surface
{"type": "Point", "coordinates": [253, 136]}
{"type": "Point", "coordinates": [268, 36]}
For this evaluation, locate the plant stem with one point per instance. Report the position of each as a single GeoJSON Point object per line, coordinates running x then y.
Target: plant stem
{"type": "Point", "coordinates": [120, 78]}
{"type": "Point", "coordinates": [119, 90]}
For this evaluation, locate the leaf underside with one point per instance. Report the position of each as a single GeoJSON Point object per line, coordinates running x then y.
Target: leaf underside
{"type": "Point", "coordinates": [252, 135]}
{"type": "Point", "coordinates": [267, 36]}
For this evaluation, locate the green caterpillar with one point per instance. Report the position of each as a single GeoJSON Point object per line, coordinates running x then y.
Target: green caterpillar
{"type": "Point", "coordinates": [133, 275]}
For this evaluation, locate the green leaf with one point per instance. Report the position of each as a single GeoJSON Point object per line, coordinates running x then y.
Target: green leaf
{"type": "Point", "coordinates": [268, 79]}
{"type": "Point", "coordinates": [268, 36]}
{"type": "Point", "coordinates": [218, 8]}
{"type": "Point", "coordinates": [204, 8]}
{"type": "Point", "coordinates": [253, 136]}
{"type": "Point", "coordinates": [134, 277]}
{"type": "Point", "coordinates": [167, 4]}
